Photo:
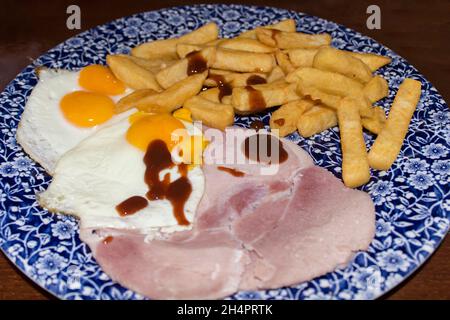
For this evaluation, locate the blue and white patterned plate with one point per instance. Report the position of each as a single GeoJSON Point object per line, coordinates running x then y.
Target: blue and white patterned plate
{"type": "Point", "coordinates": [412, 199]}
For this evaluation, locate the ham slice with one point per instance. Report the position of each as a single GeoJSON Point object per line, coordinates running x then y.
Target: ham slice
{"type": "Point", "coordinates": [323, 223]}
{"type": "Point", "coordinates": [250, 232]}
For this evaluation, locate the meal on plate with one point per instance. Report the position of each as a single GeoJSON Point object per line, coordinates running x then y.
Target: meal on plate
{"type": "Point", "coordinates": [175, 201]}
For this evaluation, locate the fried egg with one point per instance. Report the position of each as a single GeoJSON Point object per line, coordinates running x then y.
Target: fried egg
{"type": "Point", "coordinates": [65, 107]}
{"type": "Point", "coordinates": [107, 168]}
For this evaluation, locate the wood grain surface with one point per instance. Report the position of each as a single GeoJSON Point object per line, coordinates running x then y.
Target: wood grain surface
{"type": "Point", "coordinates": [416, 30]}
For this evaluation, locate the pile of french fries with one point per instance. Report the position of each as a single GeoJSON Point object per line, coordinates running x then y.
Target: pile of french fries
{"type": "Point", "coordinates": [203, 77]}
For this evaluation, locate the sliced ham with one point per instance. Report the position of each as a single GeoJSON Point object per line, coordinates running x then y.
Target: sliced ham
{"type": "Point", "coordinates": [205, 265]}
{"type": "Point", "coordinates": [323, 223]}
{"type": "Point", "coordinates": [250, 232]}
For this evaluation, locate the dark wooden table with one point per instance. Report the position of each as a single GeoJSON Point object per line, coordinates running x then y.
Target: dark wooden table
{"type": "Point", "coordinates": [417, 30]}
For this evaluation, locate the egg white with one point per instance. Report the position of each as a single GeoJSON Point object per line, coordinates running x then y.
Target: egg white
{"type": "Point", "coordinates": [104, 170]}
{"type": "Point", "coordinates": [43, 131]}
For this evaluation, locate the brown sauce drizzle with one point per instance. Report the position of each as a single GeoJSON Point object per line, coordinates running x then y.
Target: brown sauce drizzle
{"type": "Point", "coordinates": [255, 79]}
{"type": "Point", "coordinates": [279, 122]}
{"type": "Point", "coordinates": [225, 88]}
{"type": "Point", "coordinates": [156, 159]}
{"type": "Point", "coordinates": [233, 172]}
{"type": "Point", "coordinates": [196, 63]}
{"type": "Point", "coordinates": [263, 150]}
{"type": "Point", "coordinates": [255, 99]}
{"type": "Point", "coordinates": [131, 205]}
{"type": "Point", "coordinates": [257, 125]}
{"type": "Point", "coordinates": [108, 239]}
{"type": "Point", "coordinates": [178, 193]}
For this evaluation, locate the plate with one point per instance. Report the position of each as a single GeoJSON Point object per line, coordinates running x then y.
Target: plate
{"type": "Point", "coordinates": [412, 199]}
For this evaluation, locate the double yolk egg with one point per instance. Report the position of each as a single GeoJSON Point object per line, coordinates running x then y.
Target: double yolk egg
{"type": "Point", "coordinates": [94, 106]}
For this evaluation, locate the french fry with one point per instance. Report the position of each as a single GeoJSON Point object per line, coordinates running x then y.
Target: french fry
{"type": "Point", "coordinates": [332, 100]}
{"type": "Point", "coordinates": [376, 89]}
{"type": "Point", "coordinates": [389, 141]}
{"type": "Point", "coordinates": [210, 94]}
{"type": "Point", "coordinates": [259, 97]}
{"type": "Point", "coordinates": [339, 61]}
{"type": "Point", "coordinates": [373, 61]}
{"type": "Point", "coordinates": [154, 65]}
{"type": "Point", "coordinates": [329, 100]}
{"type": "Point", "coordinates": [287, 25]}
{"type": "Point", "coordinates": [284, 62]}
{"type": "Point", "coordinates": [245, 44]}
{"type": "Point", "coordinates": [319, 118]}
{"type": "Point", "coordinates": [235, 79]}
{"type": "Point", "coordinates": [276, 74]}
{"type": "Point", "coordinates": [212, 114]}
{"type": "Point", "coordinates": [167, 47]}
{"type": "Point", "coordinates": [214, 43]}
{"type": "Point", "coordinates": [376, 122]}
{"type": "Point", "coordinates": [285, 118]}
{"type": "Point", "coordinates": [243, 61]}
{"type": "Point", "coordinates": [301, 57]}
{"type": "Point", "coordinates": [133, 75]}
{"type": "Point", "coordinates": [180, 70]}
{"type": "Point", "coordinates": [164, 48]}
{"type": "Point", "coordinates": [129, 101]}
{"type": "Point", "coordinates": [173, 97]}
{"type": "Point", "coordinates": [183, 49]}
{"type": "Point", "coordinates": [355, 166]}
{"type": "Point", "coordinates": [292, 40]}
{"type": "Point", "coordinates": [329, 82]}
{"type": "Point", "coordinates": [219, 71]}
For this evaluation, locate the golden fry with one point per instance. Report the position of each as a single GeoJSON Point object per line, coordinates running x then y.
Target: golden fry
{"type": "Point", "coordinates": [355, 166]}
{"type": "Point", "coordinates": [129, 101]}
{"type": "Point", "coordinates": [236, 79]}
{"type": "Point", "coordinates": [133, 75]}
{"type": "Point", "coordinates": [374, 123]}
{"type": "Point", "coordinates": [285, 118]}
{"type": "Point", "coordinates": [329, 82]}
{"type": "Point", "coordinates": [259, 97]}
{"type": "Point", "coordinates": [292, 40]}
{"type": "Point", "coordinates": [210, 94]}
{"type": "Point", "coordinates": [243, 61]}
{"type": "Point", "coordinates": [373, 61]}
{"type": "Point", "coordinates": [302, 57]}
{"type": "Point", "coordinates": [179, 71]}
{"type": "Point", "coordinates": [284, 62]}
{"type": "Point", "coordinates": [154, 65]}
{"type": "Point", "coordinates": [174, 96]}
{"type": "Point", "coordinates": [389, 141]}
{"type": "Point", "coordinates": [183, 49]}
{"type": "Point", "coordinates": [167, 47]}
{"type": "Point", "coordinates": [319, 118]}
{"type": "Point", "coordinates": [245, 44]}
{"type": "Point", "coordinates": [339, 61]}
{"type": "Point", "coordinates": [287, 25]}
{"type": "Point", "coordinates": [276, 74]}
{"type": "Point", "coordinates": [212, 114]}
{"type": "Point", "coordinates": [376, 89]}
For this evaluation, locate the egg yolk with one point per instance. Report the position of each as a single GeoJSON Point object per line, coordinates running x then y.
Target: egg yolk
{"type": "Point", "coordinates": [146, 128]}
{"type": "Point", "coordinates": [87, 109]}
{"type": "Point", "coordinates": [100, 79]}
